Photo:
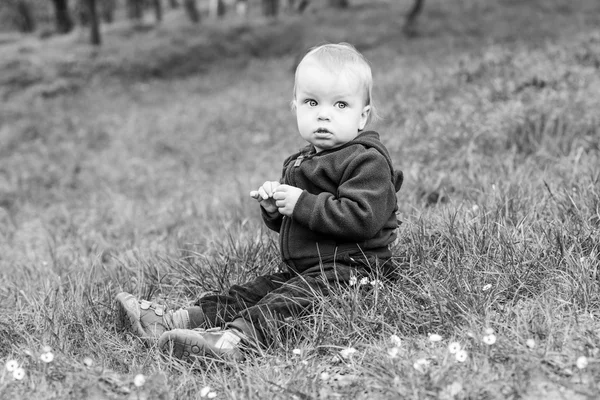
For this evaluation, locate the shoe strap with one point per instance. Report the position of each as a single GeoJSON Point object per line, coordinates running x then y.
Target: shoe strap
{"type": "Point", "coordinates": [157, 308]}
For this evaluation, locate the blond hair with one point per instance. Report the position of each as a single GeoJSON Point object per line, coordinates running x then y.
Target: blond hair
{"type": "Point", "coordinates": [342, 57]}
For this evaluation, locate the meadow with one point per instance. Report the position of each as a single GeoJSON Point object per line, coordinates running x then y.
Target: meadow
{"type": "Point", "coordinates": [128, 168]}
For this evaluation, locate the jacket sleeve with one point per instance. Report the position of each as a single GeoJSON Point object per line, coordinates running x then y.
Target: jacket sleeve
{"type": "Point", "coordinates": [365, 199]}
{"type": "Point", "coordinates": [273, 224]}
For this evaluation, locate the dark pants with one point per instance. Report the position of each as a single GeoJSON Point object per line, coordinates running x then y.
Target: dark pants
{"type": "Point", "coordinates": [266, 302]}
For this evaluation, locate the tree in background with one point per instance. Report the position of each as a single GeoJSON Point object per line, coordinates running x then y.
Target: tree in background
{"type": "Point", "coordinates": [192, 10]}
{"type": "Point", "coordinates": [270, 8]}
{"type": "Point", "coordinates": [26, 22]}
{"type": "Point", "coordinates": [410, 24]}
{"type": "Point", "coordinates": [339, 3]}
{"type": "Point", "coordinates": [135, 9]}
{"type": "Point", "coordinates": [64, 22]}
{"type": "Point", "coordinates": [107, 10]}
{"type": "Point", "coordinates": [95, 38]}
{"type": "Point", "coordinates": [158, 12]}
{"type": "Point", "coordinates": [217, 8]}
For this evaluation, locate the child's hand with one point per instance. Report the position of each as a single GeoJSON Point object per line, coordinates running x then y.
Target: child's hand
{"type": "Point", "coordinates": [286, 197]}
{"type": "Point", "coordinates": [264, 195]}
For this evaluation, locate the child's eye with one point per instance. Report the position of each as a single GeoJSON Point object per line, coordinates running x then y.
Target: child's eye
{"type": "Point", "coordinates": [310, 102]}
{"type": "Point", "coordinates": [342, 104]}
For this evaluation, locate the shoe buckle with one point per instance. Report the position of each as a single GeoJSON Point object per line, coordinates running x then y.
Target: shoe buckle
{"type": "Point", "coordinates": [159, 311]}
{"type": "Point", "coordinates": [144, 304]}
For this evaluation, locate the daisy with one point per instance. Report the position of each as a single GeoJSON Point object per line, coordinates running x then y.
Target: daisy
{"type": "Point", "coordinates": [348, 352]}
{"type": "Point", "coordinates": [582, 362]}
{"type": "Point", "coordinates": [454, 347]}
{"type": "Point", "coordinates": [11, 365]}
{"type": "Point", "coordinates": [421, 365]}
{"type": "Point", "coordinates": [434, 337]}
{"type": "Point", "coordinates": [396, 341]}
{"type": "Point", "coordinates": [47, 357]}
{"type": "Point", "coordinates": [489, 339]}
{"type": "Point", "coordinates": [139, 380]}
{"type": "Point", "coordinates": [461, 356]}
{"type": "Point", "coordinates": [19, 374]}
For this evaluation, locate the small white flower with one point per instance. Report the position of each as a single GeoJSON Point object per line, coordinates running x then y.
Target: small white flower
{"type": "Point", "coordinates": [377, 283]}
{"type": "Point", "coordinates": [211, 395]}
{"type": "Point", "coordinates": [530, 343]}
{"type": "Point", "coordinates": [461, 356]}
{"type": "Point", "coordinates": [139, 380]}
{"type": "Point", "coordinates": [454, 389]}
{"type": "Point", "coordinates": [297, 352]}
{"type": "Point", "coordinates": [421, 365]}
{"type": "Point", "coordinates": [46, 349]}
{"type": "Point", "coordinates": [475, 208]}
{"type": "Point", "coordinates": [348, 352]}
{"type": "Point", "coordinates": [47, 357]}
{"type": "Point", "coordinates": [396, 341]}
{"type": "Point", "coordinates": [489, 331]}
{"type": "Point", "coordinates": [582, 362]}
{"type": "Point", "coordinates": [364, 281]}
{"type": "Point", "coordinates": [353, 281]}
{"type": "Point", "coordinates": [583, 260]}
{"type": "Point", "coordinates": [19, 374]}
{"type": "Point", "coordinates": [11, 365]}
{"type": "Point", "coordinates": [393, 352]}
{"type": "Point", "coordinates": [324, 376]}
{"type": "Point", "coordinates": [205, 391]}
{"type": "Point", "coordinates": [454, 347]}
{"type": "Point", "coordinates": [487, 287]}
{"type": "Point", "coordinates": [489, 339]}
{"type": "Point", "coordinates": [88, 362]}
{"type": "Point", "coordinates": [434, 337]}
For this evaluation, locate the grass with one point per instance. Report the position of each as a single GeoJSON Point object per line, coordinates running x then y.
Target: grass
{"type": "Point", "coordinates": [122, 172]}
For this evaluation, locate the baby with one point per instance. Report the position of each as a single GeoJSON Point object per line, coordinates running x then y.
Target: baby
{"type": "Point", "coordinates": [334, 208]}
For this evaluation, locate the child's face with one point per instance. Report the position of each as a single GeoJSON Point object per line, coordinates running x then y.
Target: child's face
{"type": "Point", "coordinates": [330, 107]}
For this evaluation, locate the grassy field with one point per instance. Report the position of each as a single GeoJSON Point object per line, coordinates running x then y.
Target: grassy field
{"type": "Point", "coordinates": [128, 168]}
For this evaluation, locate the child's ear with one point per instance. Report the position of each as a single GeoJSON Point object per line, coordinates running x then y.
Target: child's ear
{"type": "Point", "coordinates": [364, 117]}
{"type": "Point", "coordinates": [293, 105]}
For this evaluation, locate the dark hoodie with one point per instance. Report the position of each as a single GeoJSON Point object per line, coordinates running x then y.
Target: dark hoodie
{"type": "Point", "coordinates": [347, 210]}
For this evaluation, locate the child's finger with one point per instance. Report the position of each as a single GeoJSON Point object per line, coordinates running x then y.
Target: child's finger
{"type": "Point", "coordinates": [254, 194]}
{"type": "Point", "coordinates": [262, 193]}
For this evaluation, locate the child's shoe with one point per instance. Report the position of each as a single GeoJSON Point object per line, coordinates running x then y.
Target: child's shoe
{"type": "Point", "coordinates": [145, 319]}
{"type": "Point", "coordinates": [216, 342]}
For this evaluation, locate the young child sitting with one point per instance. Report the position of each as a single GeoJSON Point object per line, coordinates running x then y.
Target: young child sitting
{"type": "Point", "coordinates": [334, 209]}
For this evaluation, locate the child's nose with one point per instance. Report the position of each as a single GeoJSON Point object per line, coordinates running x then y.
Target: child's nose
{"type": "Point", "coordinates": [323, 114]}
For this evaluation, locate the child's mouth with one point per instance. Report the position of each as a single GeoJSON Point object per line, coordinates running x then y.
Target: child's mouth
{"type": "Point", "coordinates": [322, 131]}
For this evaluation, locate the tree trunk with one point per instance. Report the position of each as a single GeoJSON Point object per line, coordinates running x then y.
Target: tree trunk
{"type": "Point", "coordinates": [134, 9]}
{"type": "Point", "coordinates": [192, 10]}
{"type": "Point", "coordinates": [339, 3]}
{"type": "Point", "coordinates": [174, 3]}
{"type": "Point", "coordinates": [158, 12]}
{"type": "Point", "coordinates": [63, 21]}
{"type": "Point", "coordinates": [217, 8]}
{"type": "Point", "coordinates": [270, 8]}
{"type": "Point", "coordinates": [302, 6]}
{"type": "Point", "coordinates": [410, 24]}
{"type": "Point", "coordinates": [26, 21]}
{"type": "Point", "coordinates": [107, 10]}
{"type": "Point", "coordinates": [95, 38]}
